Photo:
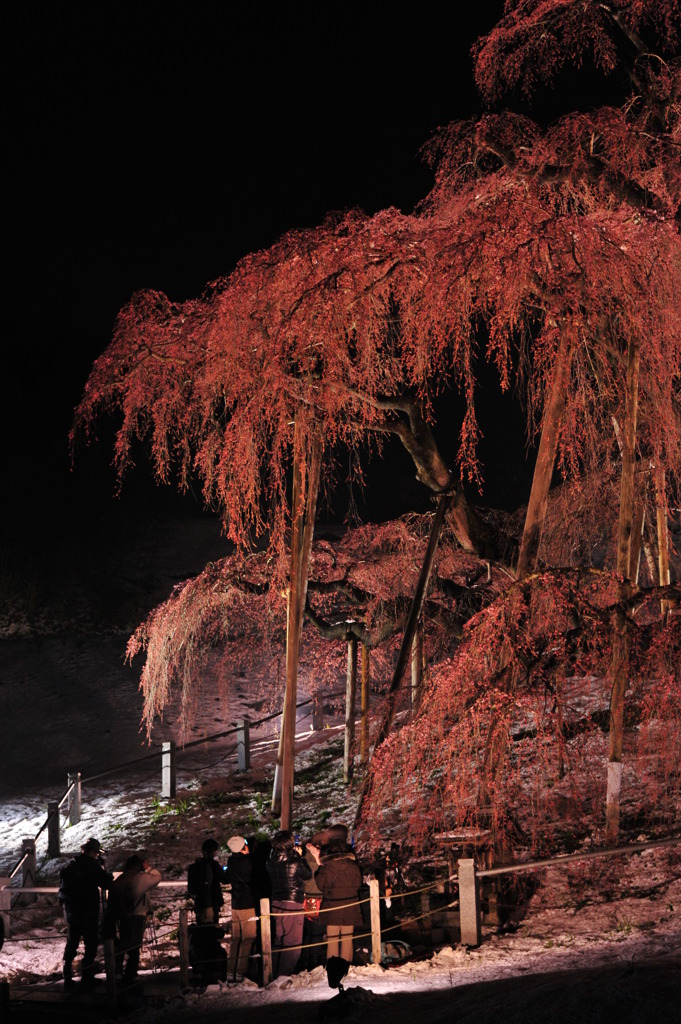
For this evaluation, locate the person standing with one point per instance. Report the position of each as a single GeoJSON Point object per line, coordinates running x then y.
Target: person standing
{"type": "Point", "coordinates": [339, 878]}
{"type": "Point", "coordinates": [313, 927]}
{"type": "Point", "coordinates": [205, 878]}
{"type": "Point", "coordinates": [288, 872]}
{"type": "Point", "coordinates": [129, 907]}
{"type": "Point", "coordinates": [244, 919]}
{"type": "Point", "coordinates": [80, 883]}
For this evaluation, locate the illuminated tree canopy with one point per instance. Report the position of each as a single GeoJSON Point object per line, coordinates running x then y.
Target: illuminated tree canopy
{"type": "Point", "coordinates": [552, 253]}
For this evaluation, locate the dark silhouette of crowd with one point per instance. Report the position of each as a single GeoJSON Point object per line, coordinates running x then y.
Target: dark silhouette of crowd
{"type": "Point", "coordinates": [315, 890]}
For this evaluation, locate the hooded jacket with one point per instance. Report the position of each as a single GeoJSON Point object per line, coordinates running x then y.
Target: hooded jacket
{"type": "Point", "coordinates": [339, 879]}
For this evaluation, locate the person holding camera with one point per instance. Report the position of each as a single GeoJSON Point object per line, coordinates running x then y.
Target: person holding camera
{"type": "Point", "coordinates": [80, 883]}
{"type": "Point", "coordinates": [244, 918]}
{"type": "Point", "coordinates": [288, 872]}
{"type": "Point", "coordinates": [205, 878]}
{"type": "Point", "coordinates": [129, 907]}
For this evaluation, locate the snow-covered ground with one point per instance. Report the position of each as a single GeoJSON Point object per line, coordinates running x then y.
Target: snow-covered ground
{"type": "Point", "coordinates": [597, 940]}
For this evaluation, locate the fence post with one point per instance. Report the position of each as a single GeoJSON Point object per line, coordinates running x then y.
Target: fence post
{"type": "Point", "coordinates": [53, 847]}
{"type": "Point", "coordinates": [426, 918]}
{"type": "Point", "coordinates": [183, 942]}
{"type": "Point", "coordinates": [266, 941]}
{"type": "Point", "coordinates": [28, 871]}
{"type": "Point", "coordinates": [74, 797]}
{"type": "Point", "coordinates": [110, 965]}
{"type": "Point", "coordinates": [317, 713]}
{"type": "Point", "coordinates": [469, 904]}
{"type": "Point", "coordinates": [168, 777]}
{"type": "Point", "coordinates": [5, 904]}
{"type": "Point", "coordinates": [375, 918]}
{"type": "Point", "coordinates": [243, 744]}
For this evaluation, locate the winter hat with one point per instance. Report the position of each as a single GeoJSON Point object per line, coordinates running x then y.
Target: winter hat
{"type": "Point", "coordinates": [92, 845]}
{"type": "Point", "coordinates": [236, 844]}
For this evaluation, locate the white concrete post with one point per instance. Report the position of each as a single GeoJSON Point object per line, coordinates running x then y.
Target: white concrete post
{"type": "Point", "coordinates": [469, 904]}
{"type": "Point", "coordinates": [168, 773]}
{"type": "Point", "coordinates": [73, 784]}
{"type": "Point", "coordinates": [243, 744]}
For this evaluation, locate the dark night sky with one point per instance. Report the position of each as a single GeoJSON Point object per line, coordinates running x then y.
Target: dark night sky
{"type": "Point", "coordinates": [153, 145]}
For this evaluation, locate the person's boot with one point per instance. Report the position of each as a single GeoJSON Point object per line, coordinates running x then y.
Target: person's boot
{"type": "Point", "coordinates": [87, 976]}
{"type": "Point", "coordinates": [68, 975]}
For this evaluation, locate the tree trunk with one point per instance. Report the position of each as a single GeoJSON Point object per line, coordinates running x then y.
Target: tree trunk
{"type": "Point", "coordinates": [303, 509]}
{"type": "Point", "coordinates": [404, 655]}
{"type": "Point", "coordinates": [620, 645]}
{"type": "Point", "coordinates": [546, 458]}
{"type": "Point", "coordinates": [497, 740]}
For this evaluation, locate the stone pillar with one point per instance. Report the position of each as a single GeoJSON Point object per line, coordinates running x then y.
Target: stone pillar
{"type": "Point", "coordinates": [469, 904]}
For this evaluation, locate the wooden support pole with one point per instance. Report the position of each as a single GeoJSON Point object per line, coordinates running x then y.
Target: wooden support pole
{"type": "Point", "coordinates": [53, 847]}
{"type": "Point", "coordinates": [317, 713]}
{"type": "Point", "coordinates": [266, 941]}
{"type": "Point", "coordinates": [364, 704]}
{"type": "Point", "coordinates": [5, 905]}
{"type": "Point", "coordinates": [168, 771]}
{"type": "Point", "coordinates": [28, 871]}
{"type": "Point", "coordinates": [662, 536]}
{"type": "Point", "coordinates": [303, 511]}
{"type": "Point", "coordinates": [417, 665]}
{"type": "Point", "coordinates": [73, 784]}
{"type": "Point", "coordinates": [426, 918]}
{"type": "Point", "coordinates": [620, 628]}
{"type": "Point", "coordinates": [375, 920]}
{"type": "Point", "coordinates": [469, 904]}
{"type": "Point", "coordinates": [183, 942]}
{"type": "Point", "coordinates": [350, 690]}
{"type": "Point", "coordinates": [243, 744]}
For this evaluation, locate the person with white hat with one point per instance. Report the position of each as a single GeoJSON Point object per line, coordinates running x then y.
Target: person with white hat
{"type": "Point", "coordinates": [244, 919]}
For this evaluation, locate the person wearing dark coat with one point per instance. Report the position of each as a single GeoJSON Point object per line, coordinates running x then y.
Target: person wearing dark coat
{"type": "Point", "coordinates": [244, 920]}
{"type": "Point", "coordinates": [288, 872]}
{"type": "Point", "coordinates": [79, 894]}
{"type": "Point", "coordinates": [205, 878]}
{"type": "Point", "coordinates": [339, 878]}
{"type": "Point", "coordinates": [314, 952]}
